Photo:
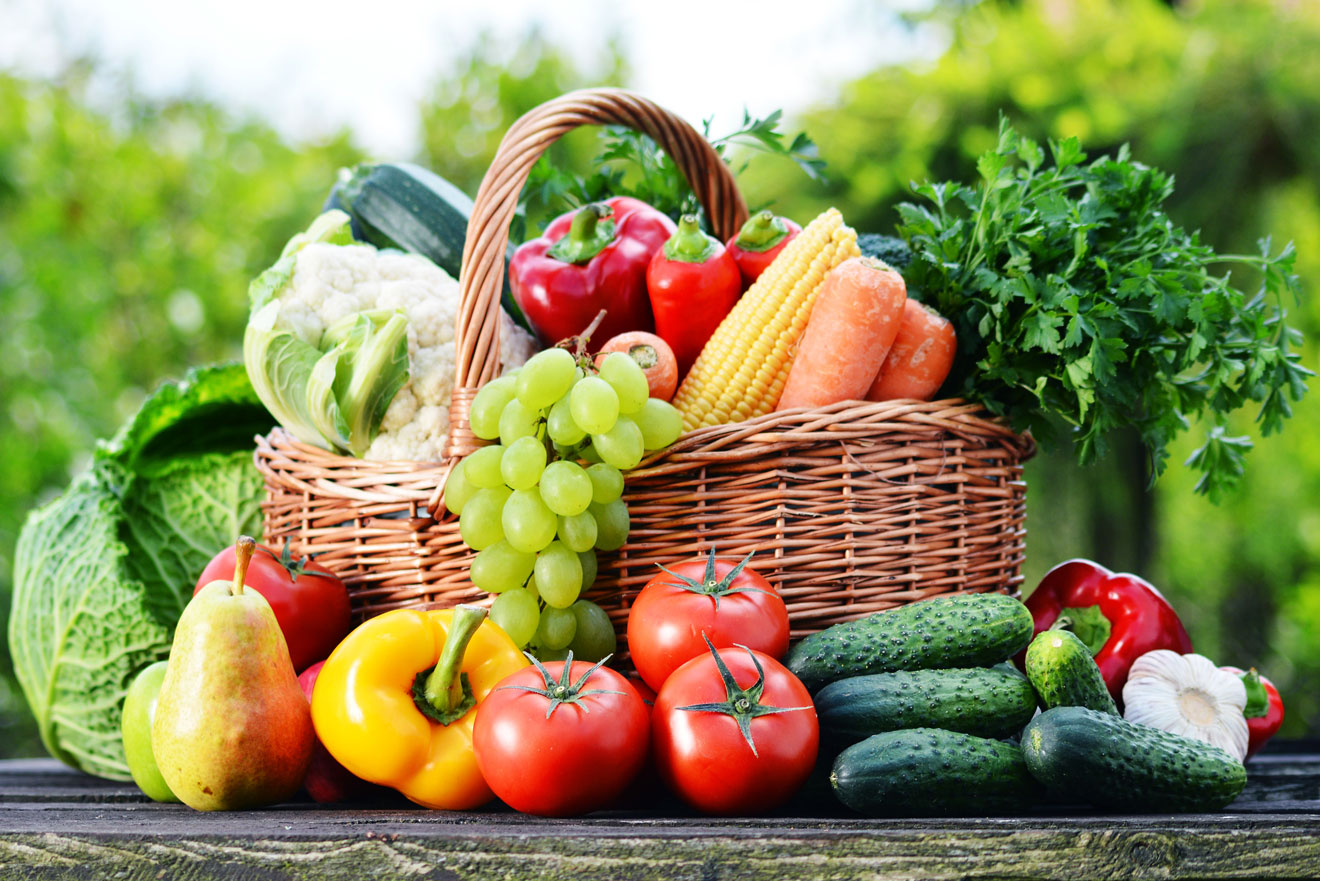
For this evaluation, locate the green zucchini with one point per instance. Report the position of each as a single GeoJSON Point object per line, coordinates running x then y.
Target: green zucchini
{"type": "Point", "coordinates": [404, 206]}
{"type": "Point", "coordinates": [1109, 762]}
{"type": "Point", "coordinates": [926, 771]}
{"type": "Point", "coordinates": [1064, 674]}
{"type": "Point", "coordinates": [991, 703]}
{"type": "Point", "coordinates": [967, 630]}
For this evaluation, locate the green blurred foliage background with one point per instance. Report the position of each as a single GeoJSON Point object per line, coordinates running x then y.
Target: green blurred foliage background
{"type": "Point", "coordinates": [129, 231]}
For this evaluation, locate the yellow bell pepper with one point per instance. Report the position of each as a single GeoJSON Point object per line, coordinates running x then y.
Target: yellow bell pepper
{"type": "Point", "coordinates": [396, 701]}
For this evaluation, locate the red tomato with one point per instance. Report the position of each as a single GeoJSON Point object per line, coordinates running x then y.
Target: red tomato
{"type": "Point", "coordinates": [561, 748]}
{"type": "Point", "coordinates": [727, 602]}
{"type": "Point", "coordinates": [704, 753]}
{"type": "Point", "coordinates": [310, 603]}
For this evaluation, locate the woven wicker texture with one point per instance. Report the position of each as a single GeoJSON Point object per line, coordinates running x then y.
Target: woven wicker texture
{"type": "Point", "coordinates": [852, 508]}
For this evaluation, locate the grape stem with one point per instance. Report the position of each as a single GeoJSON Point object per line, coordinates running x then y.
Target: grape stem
{"type": "Point", "coordinates": [578, 344]}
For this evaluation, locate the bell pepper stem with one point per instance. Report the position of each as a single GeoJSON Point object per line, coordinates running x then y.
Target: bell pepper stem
{"type": "Point", "coordinates": [591, 229]}
{"type": "Point", "coordinates": [689, 244]}
{"type": "Point", "coordinates": [1088, 624]}
{"type": "Point", "coordinates": [444, 690]}
{"type": "Point", "coordinates": [242, 557]}
{"type": "Point", "coordinates": [761, 232]}
{"type": "Point", "coordinates": [1258, 699]}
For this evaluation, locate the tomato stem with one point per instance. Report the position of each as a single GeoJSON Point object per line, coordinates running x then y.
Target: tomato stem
{"type": "Point", "coordinates": [565, 690]}
{"type": "Point", "coordinates": [708, 585]}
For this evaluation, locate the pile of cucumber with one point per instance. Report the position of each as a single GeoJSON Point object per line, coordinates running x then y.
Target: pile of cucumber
{"type": "Point", "coordinates": [933, 719]}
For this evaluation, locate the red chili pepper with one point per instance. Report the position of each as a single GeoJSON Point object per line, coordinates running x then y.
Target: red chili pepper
{"type": "Point", "coordinates": [1264, 709]}
{"type": "Point", "coordinates": [1117, 615]}
{"type": "Point", "coordinates": [591, 259]}
{"type": "Point", "coordinates": [759, 242]}
{"type": "Point", "coordinates": [693, 282]}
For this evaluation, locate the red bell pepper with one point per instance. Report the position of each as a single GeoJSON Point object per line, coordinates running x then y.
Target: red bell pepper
{"type": "Point", "coordinates": [759, 242]}
{"type": "Point", "coordinates": [1117, 615]}
{"type": "Point", "coordinates": [1264, 709]}
{"type": "Point", "coordinates": [693, 282]}
{"type": "Point", "coordinates": [591, 259]}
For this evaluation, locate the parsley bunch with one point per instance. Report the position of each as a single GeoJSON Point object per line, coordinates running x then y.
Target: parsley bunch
{"type": "Point", "coordinates": [1078, 301]}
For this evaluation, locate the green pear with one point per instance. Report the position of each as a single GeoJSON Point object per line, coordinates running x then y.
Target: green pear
{"type": "Point", "coordinates": [232, 728]}
{"type": "Point", "coordinates": [135, 726]}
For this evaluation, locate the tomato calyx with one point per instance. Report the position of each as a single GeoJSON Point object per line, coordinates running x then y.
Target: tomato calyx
{"type": "Point", "coordinates": [708, 585]}
{"type": "Point", "coordinates": [743, 704]}
{"type": "Point", "coordinates": [564, 690]}
{"type": "Point", "coordinates": [296, 568]}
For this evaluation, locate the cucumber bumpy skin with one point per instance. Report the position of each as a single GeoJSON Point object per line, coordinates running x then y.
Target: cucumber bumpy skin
{"type": "Point", "coordinates": [994, 702]}
{"type": "Point", "coordinates": [1109, 762]}
{"type": "Point", "coordinates": [929, 772]}
{"type": "Point", "coordinates": [968, 630]}
{"type": "Point", "coordinates": [1064, 673]}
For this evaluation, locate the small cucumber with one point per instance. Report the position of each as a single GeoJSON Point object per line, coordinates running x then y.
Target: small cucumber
{"type": "Point", "coordinates": [1110, 762]}
{"type": "Point", "coordinates": [1064, 674]}
{"type": "Point", "coordinates": [926, 771]}
{"type": "Point", "coordinates": [967, 630]}
{"type": "Point", "coordinates": [990, 703]}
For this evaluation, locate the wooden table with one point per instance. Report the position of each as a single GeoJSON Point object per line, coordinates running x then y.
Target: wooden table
{"type": "Point", "coordinates": [56, 823]}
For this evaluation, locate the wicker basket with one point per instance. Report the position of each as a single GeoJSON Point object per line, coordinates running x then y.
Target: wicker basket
{"type": "Point", "coordinates": [851, 509]}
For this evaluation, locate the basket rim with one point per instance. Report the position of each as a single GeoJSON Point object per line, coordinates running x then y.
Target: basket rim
{"type": "Point", "coordinates": [842, 421]}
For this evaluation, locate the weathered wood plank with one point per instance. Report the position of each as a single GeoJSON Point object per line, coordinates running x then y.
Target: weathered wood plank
{"type": "Point", "coordinates": [58, 824]}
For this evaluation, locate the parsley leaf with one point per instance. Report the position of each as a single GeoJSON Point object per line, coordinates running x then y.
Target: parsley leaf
{"type": "Point", "coordinates": [1078, 301]}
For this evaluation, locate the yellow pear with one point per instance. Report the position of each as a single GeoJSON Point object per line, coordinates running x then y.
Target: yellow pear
{"type": "Point", "coordinates": [232, 727]}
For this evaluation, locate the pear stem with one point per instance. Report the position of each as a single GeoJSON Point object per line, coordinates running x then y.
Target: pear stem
{"type": "Point", "coordinates": [242, 557]}
{"type": "Point", "coordinates": [444, 689]}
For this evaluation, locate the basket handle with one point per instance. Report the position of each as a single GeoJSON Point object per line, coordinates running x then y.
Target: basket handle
{"type": "Point", "coordinates": [482, 275]}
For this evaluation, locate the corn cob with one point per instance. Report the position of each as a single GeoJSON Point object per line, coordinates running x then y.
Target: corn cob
{"type": "Point", "coordinates": [741, 370]}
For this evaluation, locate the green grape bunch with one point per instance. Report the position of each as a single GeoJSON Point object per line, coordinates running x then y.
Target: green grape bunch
{"type": "Point", "coordinates": [546, 494]}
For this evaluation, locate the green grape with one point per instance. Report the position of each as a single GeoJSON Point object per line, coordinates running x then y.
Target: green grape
{"type": "Point", "coordinates": [528, 524]}
{"type": "Point", "coordinates": [518, 421]}
{"type": "Point", "coordinates": [545, 378]}
{"type": "Point", "coordinates": [545, 655]}
{"type": "Point", "coordinates": [482, 468]}
{"type": "Point", "coordinates": [558, 575]}
{"type": "Point", "coordinates": [621, 446]}
{"type": "Point", "coordinates": [590, 455]}
{"type": "Point", "coordinates": [560, 425]}
{"type": "Point", "coordinates": [457, 488]}
{"type": "Point", "coordinates": [565, 488]}
{"type": "Point", "coordinates": [517, 614]}
{"type": "Point", "coordinates": [612, 524]}
{"type": "Point", "coordinates": [588, 561]}
{"type": "Point", "coordinates": [593, 637]}
{"type": "Point", "coordinates": [593, 404]}
{"type": "Point", "coordinates": [523, 462]}
{"type": "Point", "coordinates": [660, 422]}
{"type": "Point", "coordinates": [480, 522]}
{"type": "Point", "coordinates": [484, 416]}
{"type": "Point", "coordinates": [627, 379]}
{"type": "Point", "coordinates": [557, 628]}
{"type": "Point", "coordinates": [531, 583]}
{"type": "Point", "coordinates": [500, 567]}
{"type": "Point", "coordinates": [578, 533]}
{"type": "Point", "coordinates": [606, 483]}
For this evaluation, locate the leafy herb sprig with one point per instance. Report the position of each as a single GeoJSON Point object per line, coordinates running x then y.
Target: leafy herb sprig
{"type": "Point", "coordinates": [631, 164]}
{"type": "Point", "coordinates": [1077, 299]}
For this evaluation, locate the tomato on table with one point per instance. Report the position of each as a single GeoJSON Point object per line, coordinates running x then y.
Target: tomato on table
{"type": "Point", "coordinates": [561, 739]}
{"type": "Point", "coordinates": [309, 601]}
{"type": "Point", "coordinates": [678, 609]}
{"type": "Point", "coordinates": [734, 732]}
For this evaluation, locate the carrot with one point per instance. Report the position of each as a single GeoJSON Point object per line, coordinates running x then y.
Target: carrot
{"type": "Point", "coordinates": [652, 354]}
{"type": "Point", "coordinates": [920, 359]}
{"type": "Point", "coordinates": [852, 325]}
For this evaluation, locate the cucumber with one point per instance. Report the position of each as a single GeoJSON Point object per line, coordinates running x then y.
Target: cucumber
{"type": "Point", "coordinates": [404, 206]}
{"type": "Point", "coordinates": [1109, 762]}
{"type": "Point", "coordinates": [990, 703]}
{"type": "Point", "coordinates": [968, 630]}
{"type": "Point", "coordinates": [926, 771]}
{"type": "Point", "coordinates": [1064, 674]}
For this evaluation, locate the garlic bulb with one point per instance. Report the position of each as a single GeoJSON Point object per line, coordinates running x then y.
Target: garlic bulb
{"type": "Point", "coordinates": [1188, 695]}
